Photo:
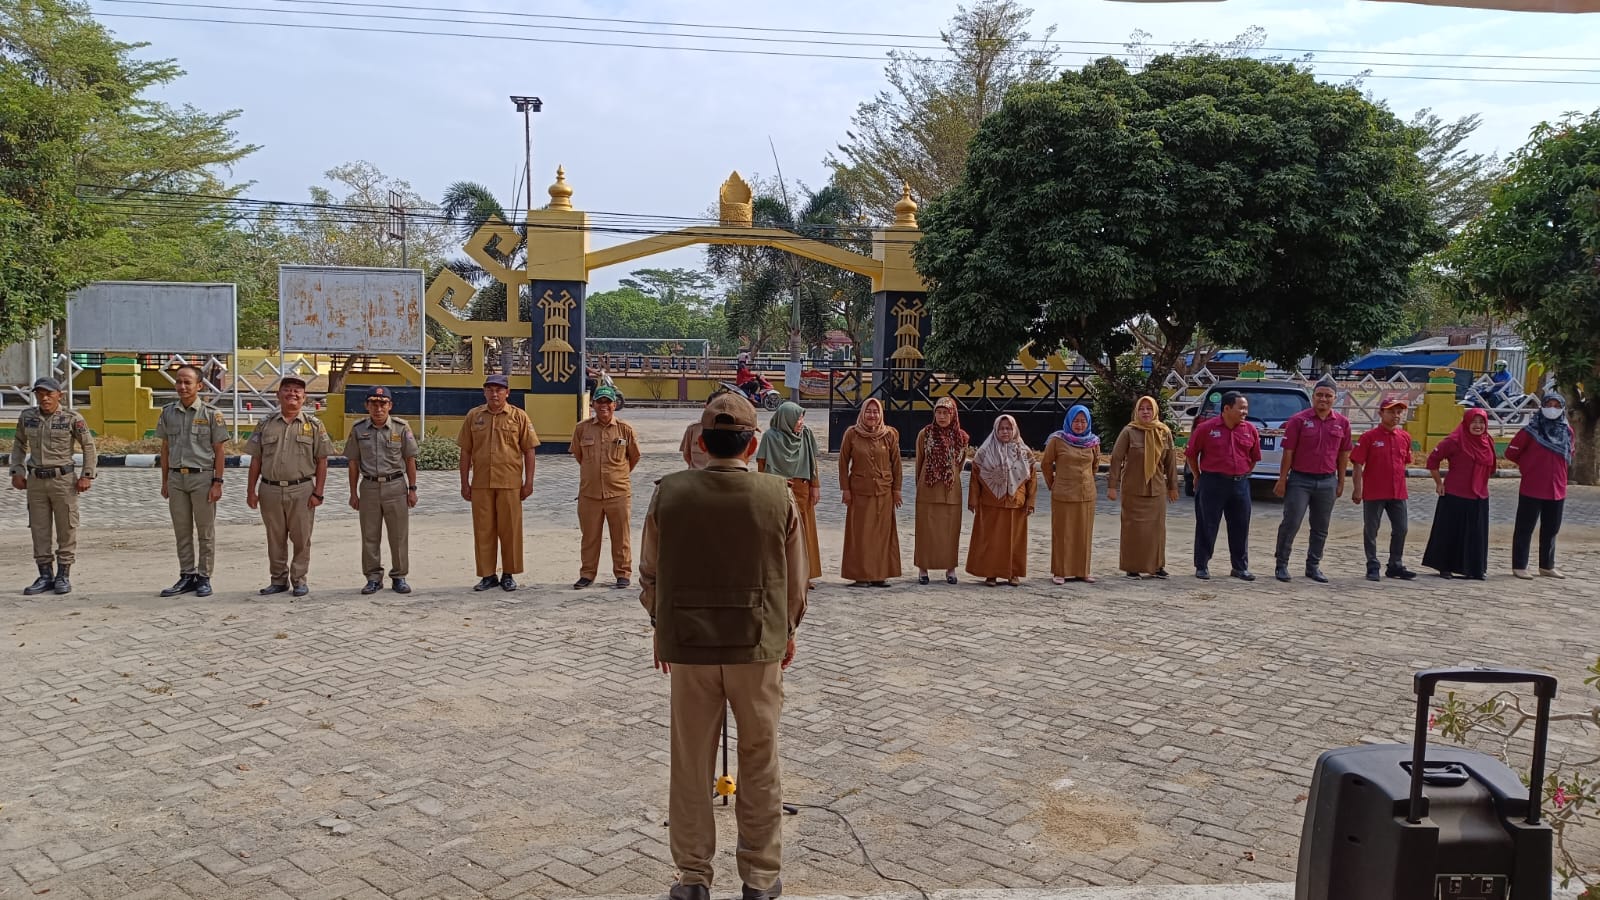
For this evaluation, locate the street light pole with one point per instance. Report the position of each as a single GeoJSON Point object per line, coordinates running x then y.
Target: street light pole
{"type": "Point", "coordinates": [526, 106]}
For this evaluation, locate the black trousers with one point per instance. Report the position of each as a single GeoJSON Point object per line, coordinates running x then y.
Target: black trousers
{"type": "Point", "coordinates": [1372, 513]}
{"type": "Point", "coordinates": [1547, 514]}
{"type": "Point", "coordinates": [1217, 497]}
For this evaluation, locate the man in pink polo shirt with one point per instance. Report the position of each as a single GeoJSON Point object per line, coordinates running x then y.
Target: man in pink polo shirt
{"type": "Point", "coordinates": [1224, 451]}
{"type": "Point", "coordinates": [1316, 449]}
{"type": "Point", "coordinates": [1381, 458]}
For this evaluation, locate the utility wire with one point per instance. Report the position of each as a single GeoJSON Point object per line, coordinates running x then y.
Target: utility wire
{"type": "Point", "coordinates": [1043, 42]}
{"type": "Point", "coordinates": [317, 26]}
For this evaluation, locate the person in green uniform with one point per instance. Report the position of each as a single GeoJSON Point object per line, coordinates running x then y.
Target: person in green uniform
{"type": "Point", "coordinates": [382, 452]}
{"type": "Point", "coordinates": [45, 437]}
{"type": "Point", "coordinates": [289, 454]}
{"type": "Point", "coordinates": [193, 453]}
{"type": "Point", "coordinates": [725, 599]}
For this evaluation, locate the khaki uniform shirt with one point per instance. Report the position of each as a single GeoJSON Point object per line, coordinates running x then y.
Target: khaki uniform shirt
{"type": "Point", "coordinates": [495, 443]}
{"type": "Point", "coordinates": [698, 459]}
{"type": "Point", "coordinates": [380, 451]}
{"type": "Point", "coordinates": [191, 434]}
{"type": "Point", "coordinates": [289, 450]}
{"type": "Point", "coordinates": [1069, 471]}
{"type": "Point", "coordinates": [46, 441]}
{"type": "Point", "coordinates": [606, 455]}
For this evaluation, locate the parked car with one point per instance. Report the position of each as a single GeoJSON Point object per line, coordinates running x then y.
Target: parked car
{"type": "Point", "coordinates": [1272, 403]}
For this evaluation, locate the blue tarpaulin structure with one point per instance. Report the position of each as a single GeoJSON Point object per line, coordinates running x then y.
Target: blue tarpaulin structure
{"type": "Point", "coordinates": [1383, 359]}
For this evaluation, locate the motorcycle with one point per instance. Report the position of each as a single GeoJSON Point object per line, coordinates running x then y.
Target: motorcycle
{"type": "Point", "coordinates": [759, 392]}
{"type": "Point", "coordinates": [598, 378]}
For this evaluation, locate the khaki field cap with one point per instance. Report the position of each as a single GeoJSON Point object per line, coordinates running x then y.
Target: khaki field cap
{"type": "Point", "coordinates": [728, 412]}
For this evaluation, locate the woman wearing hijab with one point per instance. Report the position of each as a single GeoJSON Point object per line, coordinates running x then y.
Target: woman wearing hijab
{"type": "Point", "coordinates": [1003, 490]}
{"type": "Point", "coordinates": [869, 482]}
{"type": "Point", "coordinates": [1071, 458]}
{"type": "Point", "coordinates": [941, 450]}
{"type": "Point", "coordinates": [1459, 541]}
{"type": "Point", "coordinates": [1144, 471]}
{"type": "Point", "coordinates": [1542, 450]}
{"type": "Point", "coordinates": [789, 449]}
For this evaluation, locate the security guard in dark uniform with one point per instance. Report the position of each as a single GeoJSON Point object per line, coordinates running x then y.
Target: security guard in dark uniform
{"type": "Point", "coordinates": [382, 451]}
{"type": "Point", "coordinates": [45, 438]}
{"type": "Point", "coordinates": [725, 605]}
{"type": "Point", "coordinates": [193, 453]}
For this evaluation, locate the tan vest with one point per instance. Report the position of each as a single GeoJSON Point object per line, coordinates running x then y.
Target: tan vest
{"type": "Point", "coordinates": [722, 581]}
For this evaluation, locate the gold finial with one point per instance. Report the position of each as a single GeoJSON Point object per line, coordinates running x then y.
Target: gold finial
{"type": "Point", "coordinates": [734, 206]}
{"type": "Point", "coordinates": [561, 192]}
{"type": "Point", "coordinates": [905, 211]}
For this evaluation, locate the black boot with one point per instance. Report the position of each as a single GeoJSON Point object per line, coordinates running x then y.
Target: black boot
{"type": "Point", "coordinates": [63, 583]}
{"type": "Point", "coordinates": [184, 585]}
{"type": "Point", "coordinates": [45, 581]}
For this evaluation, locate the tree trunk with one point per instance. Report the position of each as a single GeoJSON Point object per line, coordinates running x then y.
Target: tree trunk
{"type": "Point", "coordinates": [1585, 455]}
{"type": "Point", "coordinates": [336, 379]}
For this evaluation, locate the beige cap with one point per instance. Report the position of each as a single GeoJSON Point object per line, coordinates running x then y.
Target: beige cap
{"type": "Point", "coordinates": [728, 412]}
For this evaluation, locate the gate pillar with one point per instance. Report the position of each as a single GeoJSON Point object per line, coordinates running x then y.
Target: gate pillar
{"type": "Point", "coordinates": [558, 238]}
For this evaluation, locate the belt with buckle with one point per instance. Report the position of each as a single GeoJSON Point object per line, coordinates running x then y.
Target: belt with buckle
{"type": "Point", "coordinates": [189, 470]}
{"type": "Point", "coordinates": [381, 478]}
{"type": "Point", "coordinates": [286, 483]}
{"type": "Point", "coordinates": [51, 471]}
{"type": "Point", "coordinates": [1224, 475]}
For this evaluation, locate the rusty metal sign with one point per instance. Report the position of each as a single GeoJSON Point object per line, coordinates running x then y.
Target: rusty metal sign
{"type": "Point", "coordinates": [333, 309]}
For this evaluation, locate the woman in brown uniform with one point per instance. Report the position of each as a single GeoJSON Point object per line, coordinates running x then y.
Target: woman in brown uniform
{"type": "Point", "coordinates": [1071, 459]}
{"type": "Point", "coordinates": [790, 450]}
{"type": "Point", "coordinates": [941, 449]}
{"type": "Point", "coordinates": [1005, 485]}
{"type": "Point", "coordinates": [869, 481]}
{"type": "Point", "coordinates": [1144, 470]}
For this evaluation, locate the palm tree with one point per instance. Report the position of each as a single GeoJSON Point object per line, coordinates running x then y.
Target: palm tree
{"type": "Point", "coordinates": [777, 292]}
{"type": "Point", "coordinates": [468, 205]}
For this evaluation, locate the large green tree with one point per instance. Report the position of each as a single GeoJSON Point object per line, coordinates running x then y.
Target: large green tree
{"type": "Point", "coordinates": [97, 179]}
{"type": "Point", "coordinates": [1245, 198]}
{"type": "Point", "coordinates": [1535, 257]}
{"type": "Point", "coordinates": [918, 130]}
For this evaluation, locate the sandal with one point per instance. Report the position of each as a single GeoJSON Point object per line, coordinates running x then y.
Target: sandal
{"type": "Point", "coordinates": [989, 582]}
{"type": "Point", "coordinates": [1087, 579]}
{"type": "Point", "coordinates": [1057, 579]}
{"type": "Point", "coordinates": [922, 579]}
{"type": "Point", "coordinates": [951, 579]}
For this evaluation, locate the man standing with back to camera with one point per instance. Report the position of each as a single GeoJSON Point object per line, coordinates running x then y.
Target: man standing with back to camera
{"type": "Point", "coordinates": [725, 614]}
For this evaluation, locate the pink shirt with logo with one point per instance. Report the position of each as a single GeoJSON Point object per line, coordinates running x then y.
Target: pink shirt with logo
{"type": "Point", "coordinates": [1544, 472]}
{"type": "Point", "coordinates": [1217, 449]}
{"type": "Point", "coordinates": [1383, 454]}
{"type": "Point", "coordinates": [1316, 442]}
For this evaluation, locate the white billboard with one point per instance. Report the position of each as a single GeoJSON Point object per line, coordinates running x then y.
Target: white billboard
{"type": "Point", "coordinates": [151, 317]}
{"type": "Point", "coordinates": [332, 309]}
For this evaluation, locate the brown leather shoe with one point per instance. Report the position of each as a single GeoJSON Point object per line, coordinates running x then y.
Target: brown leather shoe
{"type": "Point", "coordinates": [689, 892]}
{"type": "Point", "coordinates": [771, 893]}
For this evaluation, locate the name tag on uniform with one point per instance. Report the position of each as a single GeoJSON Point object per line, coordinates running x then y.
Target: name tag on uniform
{"type": "Point", "coordinates": [1216, 433]}
{"type": "Point", "coordinates": [1379, 444]}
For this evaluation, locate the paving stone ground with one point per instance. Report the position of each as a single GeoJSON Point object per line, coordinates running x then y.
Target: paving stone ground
{"type": "Point", "coordinates": [453, 744]}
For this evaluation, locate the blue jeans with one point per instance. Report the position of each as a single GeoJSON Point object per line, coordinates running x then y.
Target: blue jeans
{"type": "Point", "coordinates": [1217, 497]}
{"type": "Point", "coordinates": [1314, 492]}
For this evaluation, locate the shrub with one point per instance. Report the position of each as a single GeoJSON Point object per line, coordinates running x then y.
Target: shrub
{"type": "Point", "coordinates": [437, 452]}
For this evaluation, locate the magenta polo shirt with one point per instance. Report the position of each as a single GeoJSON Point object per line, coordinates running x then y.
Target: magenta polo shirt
{"type": "Point", "coordinates": [1316, 442]}
{"type": "Point", "coordinates": [1544, 472]}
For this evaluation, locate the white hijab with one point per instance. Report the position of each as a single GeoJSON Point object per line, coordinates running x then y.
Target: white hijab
{"type": "Point", "coordinates": [1004, 466]}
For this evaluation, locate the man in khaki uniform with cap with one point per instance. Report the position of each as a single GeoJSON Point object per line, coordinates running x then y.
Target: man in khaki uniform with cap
{"type": "Point", "coordinates": [497, 443]}
{"type": "Point", "coordinates": [45, 437]}
{"type": "Point", "coordinates": [382, 451]}
{"type": "Point", "coordinates": [193, 453]}
{"type": "Point", "coordinates": [725, 613]}
{"type": "Point", "coordinates": [289, 454]}
{"type": "Point", "coordinates": [607, 450]}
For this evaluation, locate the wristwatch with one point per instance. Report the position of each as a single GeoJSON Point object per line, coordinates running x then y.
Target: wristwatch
{"type": "Point", "coordinates": [216, 481]}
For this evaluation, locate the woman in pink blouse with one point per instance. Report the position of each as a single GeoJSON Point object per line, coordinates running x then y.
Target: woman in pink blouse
{"type": "Point", "coordinates": [1543, 451]}
{"type": "Point", "coordinates": [1458, 543]}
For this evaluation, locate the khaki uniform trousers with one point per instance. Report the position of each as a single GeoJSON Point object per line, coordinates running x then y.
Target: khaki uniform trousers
{"type": "Point", "coordinates": [383, 507]}
{"type": "Point", "coordinates": [497, 520]}
{"type": "Point", "coordinates": [755, 691]}
{"type": "Point", "coordinates": [53, 507]}
{"type": "Point", "coordinates": [288, 519]}
{"type": "Point", "coordinates": [194, 520]}
{"type": "Point", "coordinates": [611, 514]}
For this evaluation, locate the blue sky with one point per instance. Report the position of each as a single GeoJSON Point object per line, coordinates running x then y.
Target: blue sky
{"type": "Point", "coordinates": [656, 131]}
